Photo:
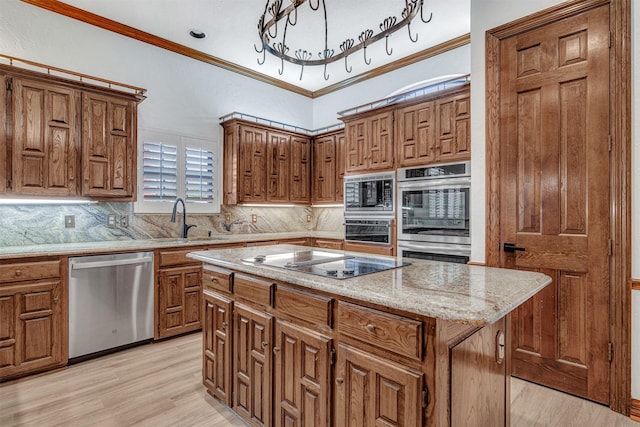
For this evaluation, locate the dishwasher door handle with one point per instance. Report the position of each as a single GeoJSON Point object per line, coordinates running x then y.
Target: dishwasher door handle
{"type": "Point", "coordinates": [109, 263]}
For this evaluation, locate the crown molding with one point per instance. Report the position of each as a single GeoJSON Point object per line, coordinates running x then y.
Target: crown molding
{"type": "Point", "coordinates": [82, 15]}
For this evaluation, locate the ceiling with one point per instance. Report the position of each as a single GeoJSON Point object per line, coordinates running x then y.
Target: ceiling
{"type": "Point", "coordinates": [231, 27]}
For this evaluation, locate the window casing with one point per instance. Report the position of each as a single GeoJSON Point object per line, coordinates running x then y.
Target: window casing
{"type": "Point", "coordinates": [172, 165]}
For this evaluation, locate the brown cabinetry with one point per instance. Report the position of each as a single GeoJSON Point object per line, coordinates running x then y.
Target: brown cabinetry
{"type": "Point", "coordinates": [108, 146]}
{"type": "Point", "coordinates": [369, 143]}
{"type": "Point", "coordinates": [4, 132]}
{"type": "Point", "coordinates": [45, 138]}
{"type": "Point", "coordinates": [328, 167]}
{"type": "Point", "coordinates": [178, 293]}
{"type": "Point", "coordinates": [435, 130]}
{"type": "Point", "coordinates": [264, 165]}
{"type": "Point", "coordinates": [216, 357]}
{"type": "Point", "coordinates": [328, 243]}
{"type": "Point", "coordinates": [33, 317]}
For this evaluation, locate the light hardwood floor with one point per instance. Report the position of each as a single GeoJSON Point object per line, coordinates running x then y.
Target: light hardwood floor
{"type": "Point", "coordinates": [160, 384]}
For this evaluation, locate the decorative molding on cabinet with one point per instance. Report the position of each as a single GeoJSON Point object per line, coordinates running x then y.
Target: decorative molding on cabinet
{"type": "Point", "coordinates": [635, 284]}
{"type": "Point", "coordinates": [125, 30]}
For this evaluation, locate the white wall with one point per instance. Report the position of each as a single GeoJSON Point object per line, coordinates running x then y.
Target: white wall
{"type": "Point", "coordinates": [456, 61]}
{"type": "Point", "coordinates": [487, 14]}
{"type": "Point", "coordinates": [184, 95]}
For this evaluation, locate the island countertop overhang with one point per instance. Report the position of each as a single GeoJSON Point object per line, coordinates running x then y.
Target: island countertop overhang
{"type": "Point", "coordinates": [454, 292]}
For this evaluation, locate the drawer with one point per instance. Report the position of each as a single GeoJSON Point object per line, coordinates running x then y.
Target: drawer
{"type": "Point", "coordinates": [176, 257]}
{"type": "Point", "coordinates": [29, 271]}
{"type": "Point", "coordinates": [397, 334]}
{"type": "Point", "coordinates": [253, 289]}
{"type": "Point", "coordinates": [315, 309]}
{"type": "Point", "coordinates": [217, 279]}
{"type": "Point", "coordinates": [328, 244]}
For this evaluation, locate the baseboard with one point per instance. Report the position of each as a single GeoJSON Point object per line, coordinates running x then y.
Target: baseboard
{"type": "Point", "coordinates": [481, 264]}
{"type": "Point", "coordinates": [635, 410]}
{"type": "Point", "coordinates": [635, 284]}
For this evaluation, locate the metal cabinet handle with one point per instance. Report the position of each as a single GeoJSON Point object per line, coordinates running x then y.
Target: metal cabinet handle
{"type": "Point", "coordinates": [224, 325]}
{"type": "Point", "coordinates": [511, 247]}
{"type": "Point", "coordinates": [276, 350]}
{"type": "Point", "coordinates": [18, 273]}
{"type": "Point", "coordinates": [339, 381]}
{"type": "Point", "coordinates": [370, 327]}
{"type": "Point", "coordinates": [214, 279]}
{"type": "Point", "coordinates": [265, 344]}
{"type": "Point", "coordinates": [56, 299]}
{"type": "Point", "coordinates": [500, 347]}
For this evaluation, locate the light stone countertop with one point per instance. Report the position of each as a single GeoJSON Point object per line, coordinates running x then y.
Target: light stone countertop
{"type": "Point", "coordinates": [59, 249]}
{"type": "Point", "coordinates": [455, 292]}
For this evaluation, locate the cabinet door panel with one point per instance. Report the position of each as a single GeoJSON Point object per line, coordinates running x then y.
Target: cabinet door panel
{"type": "Point", "coordinates": [278, 167]}
{"type": "Point", "coordinates": [380, 136]}
{"type": "Point", "coordinates": [340, 166]}
{"type": "Point", "coordinates": [324, 173]}
{"type": "Point", "coordinates": [253, 164]}
{"type": "Point", "coordinates": [300, 191]}
{"type": "Point", "coordinates": [179, 301]}
{"type": "Point", "coordinates": [356, 146]}
{"type": "Point", "coordinates": [217, 346]}
{"type": "Point", "coordinates": [301, 375]}
{"type": "Point", "coordinates": [252, 368]}
{"type": "Point", "coordinates": [7, 332]}
{"type": "Point", "coordinates": [372, 391]}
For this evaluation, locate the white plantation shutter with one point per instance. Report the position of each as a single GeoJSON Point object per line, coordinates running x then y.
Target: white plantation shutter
{"type": "Point", "coordinates": [172, 165]}
{"type": "Point", "coordinates": [160, 171]}
{"type": "Point", "coordinates": [199, 173]}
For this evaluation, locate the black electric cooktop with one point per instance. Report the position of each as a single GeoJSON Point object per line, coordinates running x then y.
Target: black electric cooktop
{"type": "Point", "coordinates": [327, 264]}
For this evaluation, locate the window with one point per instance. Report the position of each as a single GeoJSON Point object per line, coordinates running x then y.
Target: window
{"type": "Point", "coordinates": [172, 165]}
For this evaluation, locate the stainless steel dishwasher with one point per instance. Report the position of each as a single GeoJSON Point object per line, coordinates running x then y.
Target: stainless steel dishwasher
{"type": "Point", "coordinates": [110, 302]}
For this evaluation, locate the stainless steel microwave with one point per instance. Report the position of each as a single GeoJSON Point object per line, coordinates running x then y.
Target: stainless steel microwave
{"type": "Point", "coordinates": [370, 194]}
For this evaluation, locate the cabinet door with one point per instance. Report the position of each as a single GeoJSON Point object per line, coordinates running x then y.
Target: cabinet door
{"type": "Point", "coordinates": [380, 136]}
{"type": "Point", "coordinates": [178, 307]}
{"type": "Point", "coordinates": [357, 146]}
{"type": "Point", "coordinates": [462, 132]}
{"type": "Point", "coordinates": [108, 152]}
{"type": "Point", "coordinates": [300, 191]}
{"type": "Point", "coordinates": [253, 164]}
{"type": "Point", "coordinates": [340, 166]}
{"type": "Point", "coordinates": [216, 357]}
{"type": "Point", "coordinates": [31, 331]}
{"type": "Point", "coordinates": [252, 365]}
{"type": "Point", "coordinates": [415, 134]}
{"type": "Point", "coordinates": [373, 391]}
{"type": "Point", "coordinates": [302, 376]}
{"type": "Point", "coordinates": [278, 167]}
{"type": "Point", "coordinates": [45, 135]}
{"type": "Point", "coordinates": [324, 169]}
{"type": "Point", "coordinates": [4, 132]}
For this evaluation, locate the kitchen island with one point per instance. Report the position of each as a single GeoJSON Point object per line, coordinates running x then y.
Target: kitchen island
{"type": "Point", "coordinates": [424, 344]}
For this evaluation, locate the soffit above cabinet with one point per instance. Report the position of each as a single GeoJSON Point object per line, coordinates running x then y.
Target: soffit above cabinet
{"type": "Point", "coordinates": [231, 29]}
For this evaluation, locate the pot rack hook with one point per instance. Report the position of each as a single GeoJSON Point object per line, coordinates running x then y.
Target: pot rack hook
{"type": "Point", "coordinates": [317, 5]}
{"type": "Point", "coordinates": [263, 55]}
{"type": "Point", "coordinates": [365, 56]}
{"type": "Point", "coordinates": [386, 46]}
{"type": "Point", "coordinates": [258, 51]}
{"type": "Point", "coordinates": [289, 17]}
{"type": "Point", "coordinates": [326, 76]}
{"type": "Point", "coordinates": [422, 16]}
{"type": "Point", "coordinates": [411, 38]}
{"type": "Point", "coordinates": [281, 70]}
{"type": "Point", "coordinates": [346, 66]}
{"type": "Point", "coordinates": [273, 36]}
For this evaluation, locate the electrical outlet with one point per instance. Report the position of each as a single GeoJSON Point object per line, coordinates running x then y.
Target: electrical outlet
{"type": "Point", "coordinates": [124, 221]}
{"type": "Point", "coordinates": [111, 220]}
{"type": "Point", "coordinates": [254, 218]}
{"type": "Point", "coordinates": [69, 221]}
{"type": "Point", "coordinates": [308, 218]}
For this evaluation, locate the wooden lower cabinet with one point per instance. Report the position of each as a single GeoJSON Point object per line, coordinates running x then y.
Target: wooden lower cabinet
{"type": "Point", "coordinates": [369, 248]}
{"type": "Point", "coordinates": [179, 291]}
{"type": "Point", "coordinates": [216, 357]}
{"type": "Point", "coordinates": [252, 348]}
{"type": "Point", "coordinates": [372, 391]}
{"type": "Point", "coordinates": [33, 317]}
{"type": "Point", "coordinates": [302, 375]}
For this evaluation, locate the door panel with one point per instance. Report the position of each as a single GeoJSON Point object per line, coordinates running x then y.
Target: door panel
{"type": "Point", "coordinates": [555, 198]}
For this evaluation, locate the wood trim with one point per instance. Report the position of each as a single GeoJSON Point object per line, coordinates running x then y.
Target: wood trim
{"type": "Point", "coordinates": [635, 410]}
{"type": "Point", "coordinates": [620, 210]}
{"type": "Point", "coordinates": [479, 264]}
{"type": "Point", "coordinates": [392, 66]}
{"type": "Point", "coordinates": [635, 284]}
{"type": "Point", "coordinates": [62, 8]}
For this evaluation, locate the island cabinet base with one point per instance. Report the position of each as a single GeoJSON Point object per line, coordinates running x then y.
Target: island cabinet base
{"type": "Point", "coordinates": [285, 355]}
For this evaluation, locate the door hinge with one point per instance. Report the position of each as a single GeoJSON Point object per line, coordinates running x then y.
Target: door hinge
{"type": "Point", "coordinates": [332, 356]}
{"type": "Point", "coordinates": [610, 37]}
{"type": "Point", "coordinates": [610, 352]}
{"type": "Point", "coordinates": [9, 86]}
{"type": "Point", "coordinates": [425, 397]}
{"type": "Point", "coordinates": [9, 183]}
{"type": "Point", "coordinates": [610, 247]}
{"type": "Point", "coordinates": [610, 143]}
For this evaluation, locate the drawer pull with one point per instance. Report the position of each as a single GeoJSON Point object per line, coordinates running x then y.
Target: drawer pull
{"type": "Point", "coordinates": [500, 347]}
{"type": "Point", "coordinates": [18, 273]}
{"type": "Point", "coordinates": [276, 350]}
{"type": "Point", "coordinates": [339, 381]}
{"type": "Point", "coordinates": [370, 327]}
{"type": "Point", "coordinates": [214, 279]}
{"type": "Point", "coordinates": [265, 344]}
{"type": "Point", "coordinates": [224, 325]}
{"type": "Point", "coordinates": [56, 299]}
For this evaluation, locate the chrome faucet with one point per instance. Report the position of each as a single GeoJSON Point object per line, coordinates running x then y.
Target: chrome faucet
{"type": "Point", "coordinates": [185, 226]}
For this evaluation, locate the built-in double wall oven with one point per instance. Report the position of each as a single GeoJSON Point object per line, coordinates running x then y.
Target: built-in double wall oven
{"type": "Point", "coordinates": [369, 207]}
{"type": "Point", "coordinates": [433, 212]}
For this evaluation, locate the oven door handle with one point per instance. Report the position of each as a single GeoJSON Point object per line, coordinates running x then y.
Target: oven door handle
{"type": "Point", "coordinates": [439, 184]}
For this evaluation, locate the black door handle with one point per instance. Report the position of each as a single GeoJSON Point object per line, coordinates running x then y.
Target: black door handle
{"type": "Point", "coordinates": [511, 247]}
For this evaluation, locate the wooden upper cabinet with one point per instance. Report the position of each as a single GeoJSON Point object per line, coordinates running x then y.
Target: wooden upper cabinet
{"type": "Point", "coordinates": [415, 134]}
{"type": "Point", "coordinates": [300, 190]}
{"type": "Point", "coordinates": [369, 143]}
{"type": "Point", "coordinates": [45, 133]}
{"type": "Point", "coordinates": [340, 166]}
{"type": "Point", "coordinates": [265, 165]}
{"type": "Point", "coordinates": [108, 146]}
{"type": "Point", "coordinates": [324, 175]}
{"type": "Point", "coordinates": [453, 123]}
{"type": "Point", "coordinates": [278, 167]}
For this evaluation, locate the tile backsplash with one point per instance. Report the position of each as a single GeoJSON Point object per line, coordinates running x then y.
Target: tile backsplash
{"type": "Point", "coordinates": [42, 224]}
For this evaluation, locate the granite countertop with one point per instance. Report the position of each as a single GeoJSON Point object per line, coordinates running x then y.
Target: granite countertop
{"type": "Point", "coordinates": [151, 244]}
{"type": "Point", "coordinates": [455, 292]}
